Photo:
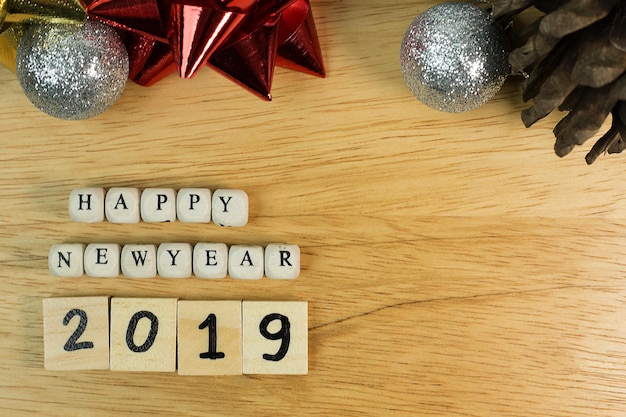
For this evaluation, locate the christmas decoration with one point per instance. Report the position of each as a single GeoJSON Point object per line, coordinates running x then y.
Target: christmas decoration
{"type": "Point", "coordinates": [454, 57]}
{"type": "Point", "coordinates": [241, 39]}
{"type": "Point", "coordinates": [9, 40]}
{"type": "Point", "coordinates": [59, 11]}
{"type": "Point", "coordinates": [72, 71]}
{"type": "Point", "coordinates": [277, 32]}
{"type": "Point", "coordinates": [574, 56]}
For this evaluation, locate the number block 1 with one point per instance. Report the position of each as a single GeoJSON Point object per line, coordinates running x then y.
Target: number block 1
{"type": "Point", "coordinates": [275, 337]}
{"type": "Point", "coordinates": [76, 333]}
{"type": "Point", "coordinates": [143, 334]}
{"type": "Point", "coordinates": [209, 338]}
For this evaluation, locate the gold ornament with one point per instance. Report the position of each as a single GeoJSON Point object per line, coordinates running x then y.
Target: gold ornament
{"type": "Point", "coordinates": [9, 40]}
{"type": "Point", "coordinates": [63, 11]}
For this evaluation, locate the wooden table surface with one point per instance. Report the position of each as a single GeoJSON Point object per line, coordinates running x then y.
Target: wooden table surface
{"type": "Point", "coordinates": [453, 265]}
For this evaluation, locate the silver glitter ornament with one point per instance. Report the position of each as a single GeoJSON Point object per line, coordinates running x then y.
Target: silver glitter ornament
{"type": "Point", "coordinates": [72, 71]}
{"type": "Point", "coordinates": [454, 58]}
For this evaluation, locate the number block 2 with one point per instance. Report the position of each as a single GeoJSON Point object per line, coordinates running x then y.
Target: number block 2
{"type": "Point", "coordinates": [275, 337]}
{"type": "Point", "coordinates": [76, 333]}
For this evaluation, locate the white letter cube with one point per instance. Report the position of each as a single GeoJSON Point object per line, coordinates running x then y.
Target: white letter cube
{"type": "Point", "coordinates": [282, 261]}
{"type": "Point", "coordinates": [210, 260]}
{"type": "Point", "coordinates": [139, 261]}
{"type": "Point", "coordinates": [86, 205]}
{"type": "Point", "coordinates": [121, 205]}
{"type": "Point", "coordinates": [66, 260]}
{"type": "Point", "coordinates": [245, 262]}
{"type": "Point", "coordinates": [230, 208]}
{"type": "Point", "coordinates": [193, 205]}
{"type": "Point", "coordinates": [102, 260]}
{"type": "Point", "coordinates": [158, 205]}
{"type": "Point", "coordinates": [174, 260]}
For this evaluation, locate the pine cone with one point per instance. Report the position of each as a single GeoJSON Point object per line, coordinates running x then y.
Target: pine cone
{"type": "Point", "coordinates": [574, 56]}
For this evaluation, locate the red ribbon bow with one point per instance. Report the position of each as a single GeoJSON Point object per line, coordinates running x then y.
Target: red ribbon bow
{"type": "Point", "coordinates": [241, 39]}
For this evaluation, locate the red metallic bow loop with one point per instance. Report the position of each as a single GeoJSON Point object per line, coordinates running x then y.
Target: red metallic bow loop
{"type": "Point", "coordinates": [299, 48]}
{"type": "Point", "coordinates": [250, 60]}
{"type": "Point", "coordinates": [149, 60]}
{"type": "Point", "coordinates": [194, 33]}
{"type": "Point", "coordinates": [138, 16]}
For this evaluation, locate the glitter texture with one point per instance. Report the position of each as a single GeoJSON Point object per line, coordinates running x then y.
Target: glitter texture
{"type": "Point", "coordinates": [72, 71]}
{"type": "Point", "coordinates": [454, 58]}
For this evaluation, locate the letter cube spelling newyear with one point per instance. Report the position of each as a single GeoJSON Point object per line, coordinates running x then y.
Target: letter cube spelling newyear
{"type": "Point", "coordinates": [282, 261]}
{"type": "Point", "coordinates": [245, 262]}
{"type": "Point", "coordinates": [174, 260]}
{"type": "Point", "coordinates": [102, 260]}
{"type": "Point", "coordinates": [86, 205]}
{"type": "Point", "coordinates": [143, 334]}
{"type": "Point", "coordinates": [76, 333]}
{"type": "Point", "coordinates": [139, 261]}
{"type": "Point", "coordinates": [210, 260]}
{"type": "Point", "coordinates": [66, 259]}
{"type": "Point", "coordinates": [121, 205]}
{"type": "Point", "coordinates": [209, 338]}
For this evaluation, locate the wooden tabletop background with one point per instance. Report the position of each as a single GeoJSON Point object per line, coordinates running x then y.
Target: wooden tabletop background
{"type": "Point", "coordinates": [453, 265]}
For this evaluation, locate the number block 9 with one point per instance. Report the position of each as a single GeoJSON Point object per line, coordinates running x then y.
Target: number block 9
{"type": "Point", "coordinates": [275, 337]}
{"type": "Point", "coordinates": [76, 333]}
{"type": "Point", "coordinates": [143, 334]}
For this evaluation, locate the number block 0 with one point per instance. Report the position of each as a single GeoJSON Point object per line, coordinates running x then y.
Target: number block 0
{"type": "Point", "coordinates": [275, 337]}
{"type": "Point", "coordinates": [209, 338]}
{"type": "Point", "coordinates": [76, 333]}
{"type": "Point", "coordinates": [143, 334]}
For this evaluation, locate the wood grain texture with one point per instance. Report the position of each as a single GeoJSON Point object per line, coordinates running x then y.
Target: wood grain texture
{"type": "Point", "coordinates": [453, 265]}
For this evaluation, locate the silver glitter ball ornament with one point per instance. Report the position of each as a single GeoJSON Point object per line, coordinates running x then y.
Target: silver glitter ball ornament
{"type": "Point", "coordinates": [72, 71]}
{"type": "Point", "coordinates": [454, 57]}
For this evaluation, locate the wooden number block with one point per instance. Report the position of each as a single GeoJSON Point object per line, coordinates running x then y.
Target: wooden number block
{"type": "Point", "coordinates": [210, 260]}
{"type": "Point", "coordinates": [275, 337]}
{"type": "Point", "coordinates": [245, 262]}
{"type": "Point", "coordinates": [282, 261]}
{"type": "Point", "coordinates": [66, 260]}
{"type": "Point", "coordinates": [193, 205]}
{"type": "Point", "coordinates": [143, 334]}
{"type": "Point", "coordinates": [76, 333]}
{"type": "Point", "coordinates": [209, 338]}
{"type": "Point", "coordinates": [86, 205]}
{"type": "Point", "coordinates": [230, 208]}
{"type": "Point", "coordinates": [121, 205]}
{"type": "Point", "coordinates": [158, 205]}
{"type": "Point", "coordinates": [102, 260]}
{"type": "Point", "coordinates": [139, 261]}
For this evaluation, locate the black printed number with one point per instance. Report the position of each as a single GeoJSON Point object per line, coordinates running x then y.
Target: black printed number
{"type": "Point", "coordinates": [282, 334]}
{"type": "Point", "coordinates": [210, 323]}
{"type": "Point", "coordinates": [72, 343]}
{"type": "Point", "coordinates": [132, 327]}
